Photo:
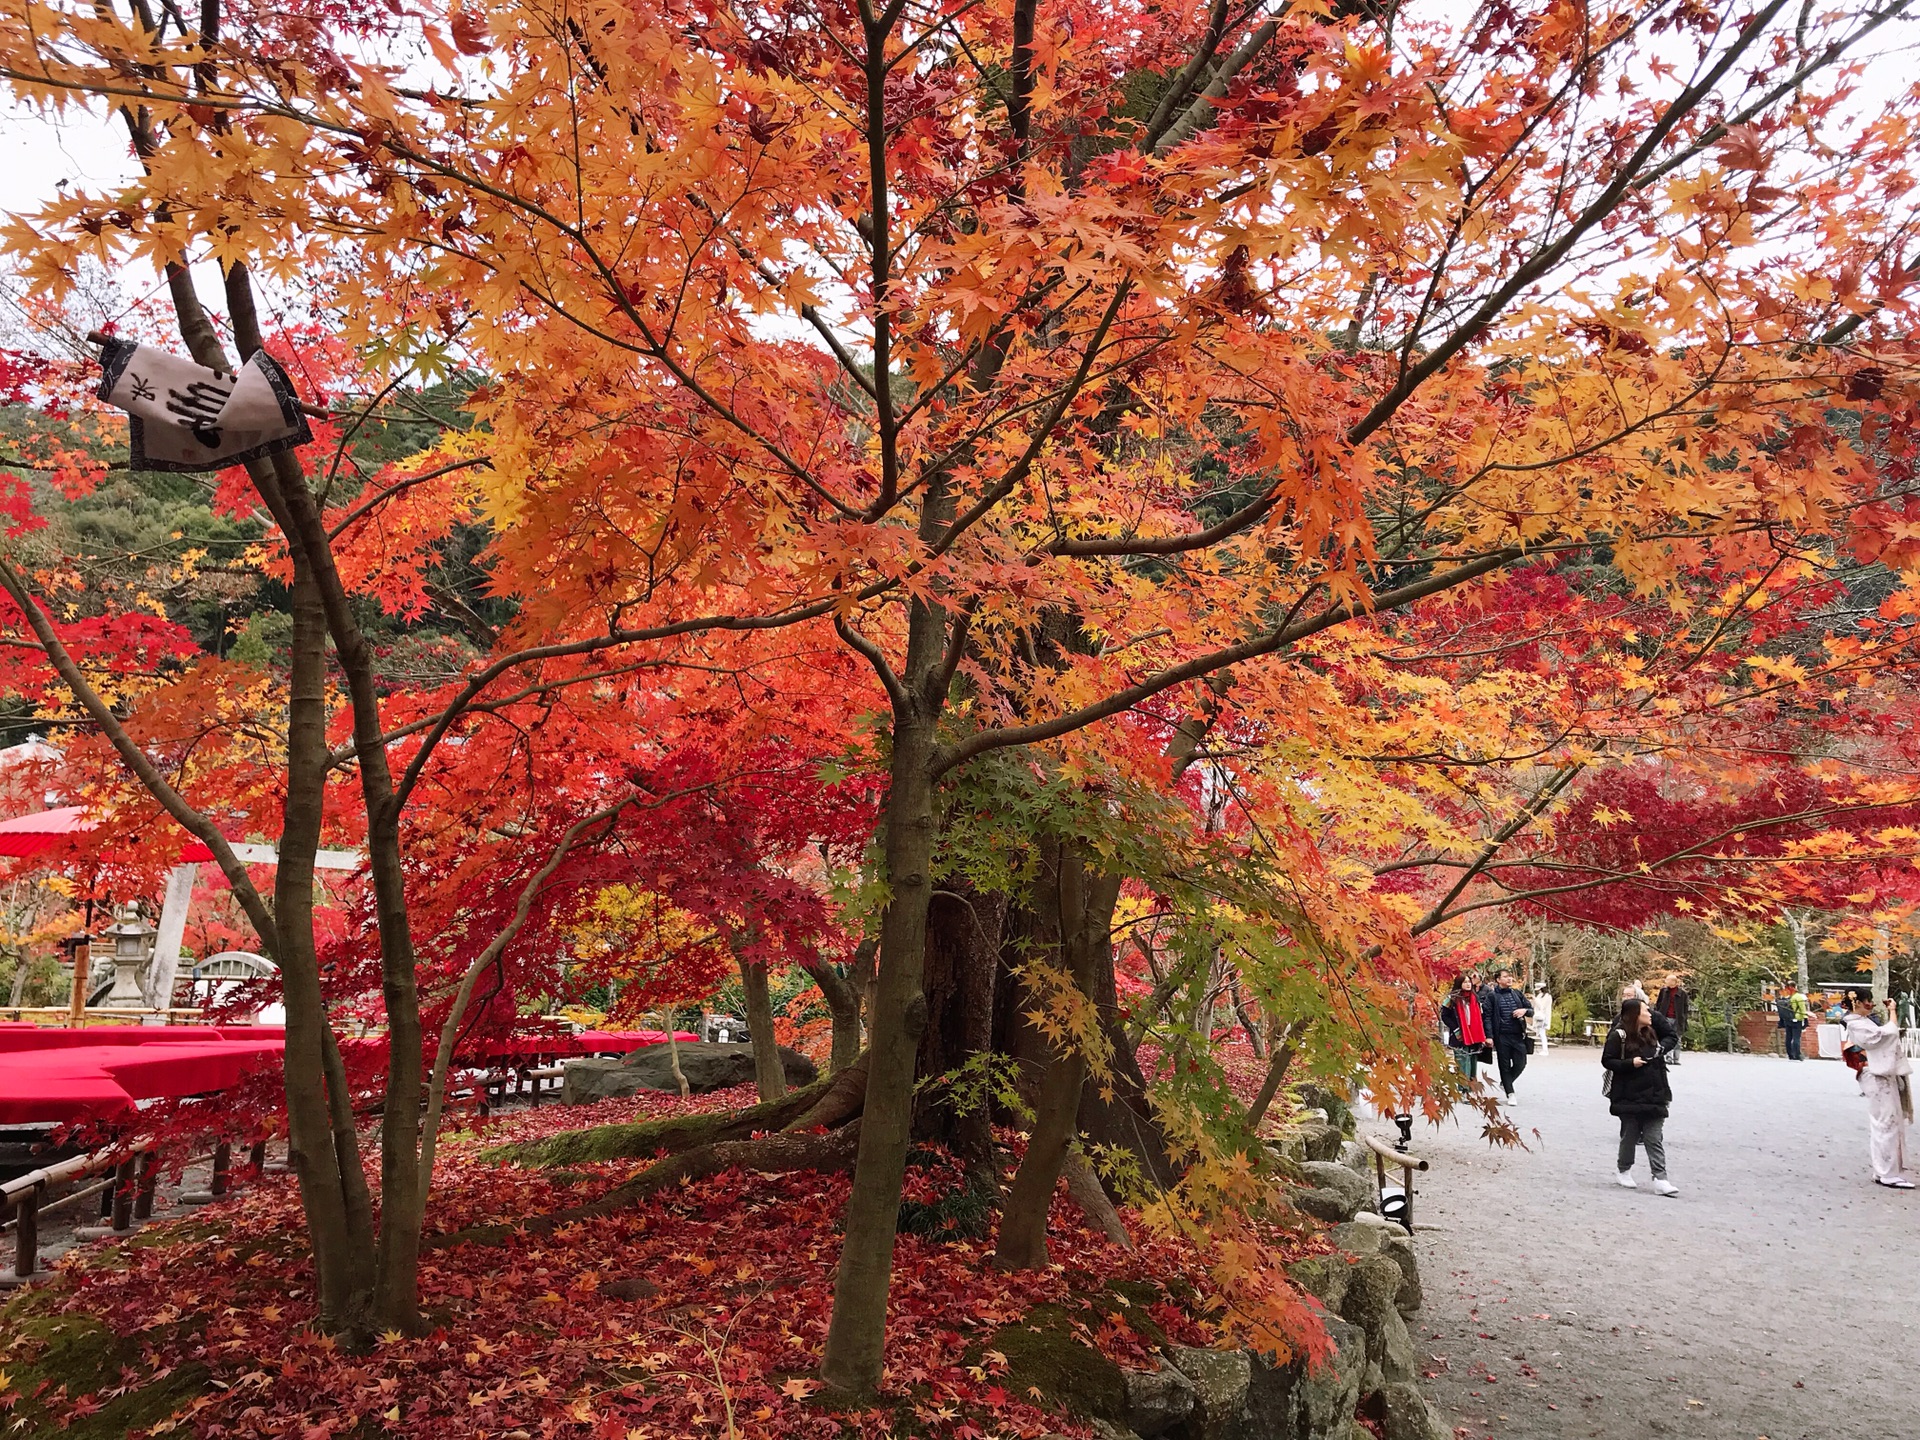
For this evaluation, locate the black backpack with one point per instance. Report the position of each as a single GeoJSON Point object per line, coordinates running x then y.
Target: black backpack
{"type": "Point", "coordinates": [1783, 1007]}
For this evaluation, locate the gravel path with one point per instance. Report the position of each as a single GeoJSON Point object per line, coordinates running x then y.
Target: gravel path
{"type": "Point", "coordinates": [1778, 1296]}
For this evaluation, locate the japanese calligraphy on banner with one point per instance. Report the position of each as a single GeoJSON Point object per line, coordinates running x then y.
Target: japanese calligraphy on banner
{"type": "Point", "coordinates": [184, 416]}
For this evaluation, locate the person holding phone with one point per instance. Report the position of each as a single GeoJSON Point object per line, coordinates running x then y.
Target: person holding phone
{"type": "Point", "coordinates": [1635, 1057]}
{"type": "Point", "coordinates": [1888, 1088]}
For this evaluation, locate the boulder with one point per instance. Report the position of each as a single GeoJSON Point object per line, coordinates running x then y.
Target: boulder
{"type": "Point", "coordinates": [1220, 1380]}
{"type": "Point", "coordinates": [706, 1066]}
{"type": "Point", "coordinates": [590, 1080]}
{"type": "Point", "coordinates": [1330, 1103]}
{"type": "Point", "coordinates": [1399, 1249]}
{"type": "Point", "coordinates": [1157, 1400]}
{"type": "Point", "coordinates": [1322, 1276]}
{"type": "Point", "coordinates": [1337, 1194]}
{"type": "Point", "coordinates": [1371, 1287]}
{"type": "Point", "coordinates": [1107, 1430]}
{"type": "Point", "coordinates": [1397, 1357]}
{"type": "Point", "coordinates": [1406, 1415]}
{"type": "Point", "coordinates": [1292, 1402]}
{"type": "Point", "coordinates": [1357, 1157]}
{"type": "Point", "coordinates": [1356, 1237]}
{"type": "Point", "coordinates": [1321, 1140]}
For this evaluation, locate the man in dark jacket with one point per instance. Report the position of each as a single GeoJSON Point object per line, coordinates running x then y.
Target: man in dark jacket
{"type": "Point", "coordinates": [1674, 1005]}
{"type": "Point", "coordinates": [1507, 1011]}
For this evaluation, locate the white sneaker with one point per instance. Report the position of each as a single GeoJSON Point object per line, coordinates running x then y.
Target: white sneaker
{"type": "Point", "coordinates": [1512, 1099]}
{"type": "Point", "coordinates": [1663, 1186]}
{"type": "Point", "coordinates": [1626, 1178]}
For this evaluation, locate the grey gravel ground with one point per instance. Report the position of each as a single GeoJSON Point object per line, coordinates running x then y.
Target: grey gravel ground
{"type": "Point", "coordinates": [1777, 1296]}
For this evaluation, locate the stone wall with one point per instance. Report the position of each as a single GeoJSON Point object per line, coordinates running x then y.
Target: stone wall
{"type": "Point", "coordinates": [1367, 1289]}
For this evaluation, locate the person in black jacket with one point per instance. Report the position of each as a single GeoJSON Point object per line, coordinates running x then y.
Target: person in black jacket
{"type": "Point", "coordinates": [1674, 1004]}
{"type": "Point", "coordinates": [1507, 1011]}
{"type": "Point", "coordinates": [1635, 1057]}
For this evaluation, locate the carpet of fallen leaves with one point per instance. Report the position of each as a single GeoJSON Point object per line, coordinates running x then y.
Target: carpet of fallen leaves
{"type": "Point", "coordinates": [699, 1312]}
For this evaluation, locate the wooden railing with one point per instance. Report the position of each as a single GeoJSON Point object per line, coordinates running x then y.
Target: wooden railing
{"type": "Point", "coordinates": [1385, 1155]}
{"type": "Point", "coordinates": [126, 1194]}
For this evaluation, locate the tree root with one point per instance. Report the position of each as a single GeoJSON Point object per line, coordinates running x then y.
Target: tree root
{"type": "Point", "coordinates": [842, 1100]}
{"type": "Point", "coordinates": [776, 1154]}
{"type": "Point", "coordinates": [1091, 1196]}
{"type": "Point", "coordinates": [645, 1138]}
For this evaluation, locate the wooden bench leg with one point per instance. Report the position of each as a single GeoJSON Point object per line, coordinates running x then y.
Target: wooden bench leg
{"type": "Point", "coordinates": [26, 1235]}
{"type": "Point", "coordinates": [147, 1184]}
{"type": "Point", "coordinates": [123, 1196]}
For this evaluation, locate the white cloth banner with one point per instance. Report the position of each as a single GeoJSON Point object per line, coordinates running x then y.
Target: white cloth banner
{"type": "Point", "coordinates": [184, 416]}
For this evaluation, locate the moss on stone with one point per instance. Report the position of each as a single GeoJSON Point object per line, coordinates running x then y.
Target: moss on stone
{"type": "Point", "coordinates": [1044, 1354]}
{"type": "Point", "coordinates": [75, 1355]}
{"type": "Point", "coordinates": [1138, 1295]}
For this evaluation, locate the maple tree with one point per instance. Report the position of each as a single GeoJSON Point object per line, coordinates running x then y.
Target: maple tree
{"type": "Point", "coordinates": [1109, 380]}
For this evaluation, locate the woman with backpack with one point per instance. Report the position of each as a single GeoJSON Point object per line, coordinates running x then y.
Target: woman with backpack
{"type": "Point", "coordinates": [1635, 1057]}
{"type": "Point", "coordinates": [1465, 1028]}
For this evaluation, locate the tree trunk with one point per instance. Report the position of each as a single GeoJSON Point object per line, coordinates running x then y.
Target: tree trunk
{"type": "Point", "coordinates": [1077, 909]}
{"type": "Point", "coordinates": [1882, 965]}
{"type": "Point", "coordinates": [325, 1163]}
{"type": "Point", "coordinates": [768, 1074]}
{"type": "Point", "coordinates": [856, 1336]}
{"type": "Point", "coordinates": [1798, 926]}
{"type": "Point", "coordinates": [842, 997]}
{"type": "Point", "coordinates": [964, 930]}
{"type": "Point", "coordinates": [396, 1300]}
{"type": "Point", "coordinates": [1245, 1016]}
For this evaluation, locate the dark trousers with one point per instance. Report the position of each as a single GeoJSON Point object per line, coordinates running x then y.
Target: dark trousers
{"type": "Point", "coordinates": [1793, 1029]}
{"type": "Point", "coordinates": [1510, 1051]}
{"type": "Point", "coordinates": [1649, 1131]}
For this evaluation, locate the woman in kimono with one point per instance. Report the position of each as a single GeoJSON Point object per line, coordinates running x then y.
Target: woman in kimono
{"type": "Point", "coordinates": [1887, 1083]}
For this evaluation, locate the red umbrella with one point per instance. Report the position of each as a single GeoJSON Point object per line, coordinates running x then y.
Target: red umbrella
{"type": "Point", "coordinates": [27, 835]}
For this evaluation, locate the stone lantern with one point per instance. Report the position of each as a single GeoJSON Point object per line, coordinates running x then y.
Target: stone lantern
{"type": "Point", "coordinates": [132, 942]}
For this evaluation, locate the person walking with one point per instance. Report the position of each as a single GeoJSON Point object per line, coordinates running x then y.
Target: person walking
{"type": "Point", "coordinates": [1507, 1012]}
{"type": "Point", "coordinates": [1638, 1092]}
{"type": "Point", "coordinates": [1888, 1086]}
{"type": "Point", "coordinates": [1676, 1005]}
{"type": "Point", "coordinates": [1792, 1007]}
{"type": "Point", "coordinates": [1466, 1030]}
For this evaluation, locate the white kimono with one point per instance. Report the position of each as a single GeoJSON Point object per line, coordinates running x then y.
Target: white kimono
{"type": "Point", "coordinates": [1886, 1119]}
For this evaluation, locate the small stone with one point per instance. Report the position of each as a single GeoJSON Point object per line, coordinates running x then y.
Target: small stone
{"type": "Point", "coordinates": [1157, 1400]}
{"type": "Point", "coordinates": [630, 1287]}
{"type": "Point", "coordinates": [1220, 1380]}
